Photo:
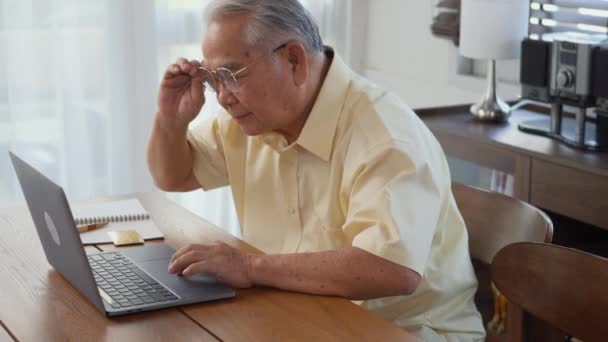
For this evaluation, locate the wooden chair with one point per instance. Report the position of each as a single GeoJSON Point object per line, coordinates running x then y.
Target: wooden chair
{"type": "Point", "coordinates": [494, 221]}
{"type": "Point", "coordinates": [564, 287]}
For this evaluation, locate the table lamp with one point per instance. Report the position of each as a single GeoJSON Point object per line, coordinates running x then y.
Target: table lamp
{"type": "Point", "coordinates": [491, 30]}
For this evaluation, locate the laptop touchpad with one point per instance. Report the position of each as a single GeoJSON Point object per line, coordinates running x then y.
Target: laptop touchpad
{"type": "Point", "coordinates": [204, 278]}
{"type": "Point", "coordinates": [149, 253]}
{"type": "Point", "coordinates": [183, 286]}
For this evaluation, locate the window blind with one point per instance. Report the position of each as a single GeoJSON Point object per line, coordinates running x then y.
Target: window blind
{"type": "Point", "coordinates": [446, 21]}
{"type": "Point", "coordinates": [586, 16]}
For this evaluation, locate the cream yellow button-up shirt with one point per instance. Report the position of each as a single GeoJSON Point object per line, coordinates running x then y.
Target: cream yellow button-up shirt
{"type": "Point", "coordinates": [364, 172]}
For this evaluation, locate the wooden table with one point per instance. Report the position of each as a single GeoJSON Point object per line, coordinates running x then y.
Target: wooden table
{"type": "Point", "coordinates": [36, 303]}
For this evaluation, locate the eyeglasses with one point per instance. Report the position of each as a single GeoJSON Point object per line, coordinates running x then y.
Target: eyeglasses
{"type": "Point", "coordinates": [227, 77]}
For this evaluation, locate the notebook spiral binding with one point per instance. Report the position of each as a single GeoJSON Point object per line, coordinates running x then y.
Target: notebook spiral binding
{"type": "Point", "coordinates": [109, 219]}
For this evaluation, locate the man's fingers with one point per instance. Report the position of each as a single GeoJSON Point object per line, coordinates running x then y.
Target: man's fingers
{"type": "Point", "coordinates": [172, 71]}
{"type": "Point", "coordinates": [184, 67]}
{"type": "Point", "coordinates": [180, 61]}
{"type": "Point", "coordinates": [184, 261]}
{"type": "Point", "coordinates": [196, 71]}
{"type": "Point", "coordinates": [198, 77]}
{"type": "Point", "coordinates": [177, 254]}
{"type": "Point", "coordinates": [187, 66]}
{"type": "Point", "coordinates": [183, 251]}
{"type": "Point", "coordinates": [204, 266]}
{"type": "Point", "coordinates": [187, 259]}
{"type": "Point", "coordinates": [196, 64]}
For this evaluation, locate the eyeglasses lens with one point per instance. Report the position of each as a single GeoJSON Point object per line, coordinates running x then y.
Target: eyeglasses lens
{"type": "Point", "coordinates": [224, 76]}
{"type": "Point", "coordinates": [209, 80]}
{"type": "Point", "coordinates": [227, 79]}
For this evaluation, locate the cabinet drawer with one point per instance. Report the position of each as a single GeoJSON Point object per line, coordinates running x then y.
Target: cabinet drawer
{"type": "Point", "coordinates": [574, 193]}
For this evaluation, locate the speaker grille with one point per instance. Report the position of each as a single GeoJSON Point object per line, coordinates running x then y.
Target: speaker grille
{"type": "Point", "coordinates": [600, 73]}
{"type": "Point", "coordinates": [535, 62]}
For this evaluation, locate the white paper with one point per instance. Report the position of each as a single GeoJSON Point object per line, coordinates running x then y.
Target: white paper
{"type": "Point", "coordinates": [146, 228]}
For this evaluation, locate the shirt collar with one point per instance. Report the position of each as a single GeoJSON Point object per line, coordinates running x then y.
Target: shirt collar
{"type": "Point", "coordinates": [318, 133]}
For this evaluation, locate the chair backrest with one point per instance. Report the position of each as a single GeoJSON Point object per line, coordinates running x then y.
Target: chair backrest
{"type": "Point", "coordinates": [495, 220]}
{"type": "Point", "coordinates": [566, 288]}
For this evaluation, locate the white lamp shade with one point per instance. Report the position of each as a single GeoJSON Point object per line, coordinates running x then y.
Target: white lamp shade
{"type": "Point", "coordinates": [493, 29]}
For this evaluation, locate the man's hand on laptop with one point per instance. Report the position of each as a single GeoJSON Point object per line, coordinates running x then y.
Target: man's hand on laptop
{"type": "Point", "coordinates": [230, 265]}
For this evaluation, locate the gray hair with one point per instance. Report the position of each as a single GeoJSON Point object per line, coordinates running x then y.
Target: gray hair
{"type": "Point", "coordinates": [282, 19]}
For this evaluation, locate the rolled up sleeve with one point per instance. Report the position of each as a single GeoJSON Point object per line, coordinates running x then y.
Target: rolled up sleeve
{"type": "Point", "coordinates": [209, 163]}
{"type": "Point", "coordinates": [394, 205]}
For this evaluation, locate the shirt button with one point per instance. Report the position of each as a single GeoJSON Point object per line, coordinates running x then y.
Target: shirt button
{"type": "Point", "coordinates": [292, 211]}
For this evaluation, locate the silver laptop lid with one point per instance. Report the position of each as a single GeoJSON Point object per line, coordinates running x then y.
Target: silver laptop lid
{"type": "Point", "coordinates": [56, 229]}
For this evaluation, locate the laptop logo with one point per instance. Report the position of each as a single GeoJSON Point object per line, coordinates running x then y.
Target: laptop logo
{"type": "Point", "coordinates": [51, 227]}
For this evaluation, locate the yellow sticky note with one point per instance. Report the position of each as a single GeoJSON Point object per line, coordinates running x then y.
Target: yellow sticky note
{"type": "Point", "coordinates": [125, 237]}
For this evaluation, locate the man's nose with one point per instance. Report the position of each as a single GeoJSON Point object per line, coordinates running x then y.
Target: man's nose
{"type": "Point", "coordinates": [224, 96]}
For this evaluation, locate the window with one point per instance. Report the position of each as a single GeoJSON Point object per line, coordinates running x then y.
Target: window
{"type": "Point", "coordinates": [586, 16]}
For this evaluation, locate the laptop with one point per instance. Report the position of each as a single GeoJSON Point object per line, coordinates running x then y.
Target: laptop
{"type": "Point", "coordinates": [117, 283]}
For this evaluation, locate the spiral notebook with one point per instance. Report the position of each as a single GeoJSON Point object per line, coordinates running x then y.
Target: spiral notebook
{"type": "Point", "coordinates": [120, 215]}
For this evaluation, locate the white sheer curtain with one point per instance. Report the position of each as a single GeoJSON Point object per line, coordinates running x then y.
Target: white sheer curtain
{"type": "Point", "coordinates": [343, 25]}
{"type": "Point", "coordinates": [78, 82]}
{"type": "Point", "coordinates": [76, 96]}
{"type": "Point", "coordinates": [184, 21]}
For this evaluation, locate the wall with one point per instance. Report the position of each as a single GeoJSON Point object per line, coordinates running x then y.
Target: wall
{"type": "Point", "coordinates": [403, 56]}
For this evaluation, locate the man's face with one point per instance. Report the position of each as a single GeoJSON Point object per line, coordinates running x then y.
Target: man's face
{"type": "Point", "coordinates": [261, 104]}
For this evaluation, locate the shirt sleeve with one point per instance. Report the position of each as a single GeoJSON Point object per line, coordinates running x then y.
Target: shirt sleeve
{"type": "Point", "coordinates": [209, 163]}
{"type": "Point", "coordinates": [394, 204]}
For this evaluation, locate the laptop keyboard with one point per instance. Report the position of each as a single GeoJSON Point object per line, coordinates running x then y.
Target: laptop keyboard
{"type": "Point", "coordinates": [125, 282]}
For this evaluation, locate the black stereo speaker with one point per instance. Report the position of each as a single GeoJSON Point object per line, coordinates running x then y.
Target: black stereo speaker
{"type": "Point", "coordinates": [600, 91]}
{"type": "Point", "coordinates": [567, 69]}
{"type": "Point", "coordinates": [534, 70]}
{"type": "Point", "coordinates": [535, 62]}
{"type": "Point", "coordinates": [600, 73]}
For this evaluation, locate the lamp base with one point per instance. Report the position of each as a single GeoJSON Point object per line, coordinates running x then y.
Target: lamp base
{"type": "Point", "coordinates": [491, 107]}
{"type": "Point", "coordinates": [495, 110]}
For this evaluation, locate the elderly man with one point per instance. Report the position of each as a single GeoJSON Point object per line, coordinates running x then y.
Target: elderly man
{"type": "Point", "coordinates": [336, 180]}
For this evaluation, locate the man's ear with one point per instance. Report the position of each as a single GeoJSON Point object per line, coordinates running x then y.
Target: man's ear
{"type": "Point", "coordinates": [298, 62]}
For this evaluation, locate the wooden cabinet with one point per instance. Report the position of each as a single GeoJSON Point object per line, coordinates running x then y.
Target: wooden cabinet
{"type": "Point", "coordinates": [546, 173]}
{"type": "Point", "coordinates": [571, 192]}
